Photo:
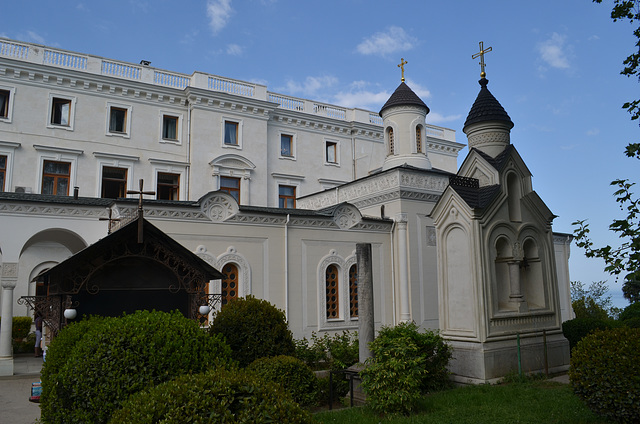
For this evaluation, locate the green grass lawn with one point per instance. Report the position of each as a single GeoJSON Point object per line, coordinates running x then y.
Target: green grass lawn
{"type": "Point", "coordinates": [532, 402]}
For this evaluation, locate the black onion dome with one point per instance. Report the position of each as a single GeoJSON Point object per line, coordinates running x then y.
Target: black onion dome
{"type": "Point", "coordinates": [486, 108]}
{"type": "Point", "coordinates": [403, 96]}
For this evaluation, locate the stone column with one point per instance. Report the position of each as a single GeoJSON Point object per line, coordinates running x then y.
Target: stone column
{"type": "Point", "coordinates": [366, 326]}
{"type": "Point", "coordinates": [403, 267]}
{"type": "Point", "coordinates": [9, 279]}
{"type": "Point", "coordinates": [514, 273]}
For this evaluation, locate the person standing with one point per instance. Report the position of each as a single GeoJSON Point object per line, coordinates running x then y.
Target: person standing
{"type": "Point", "coordinates": [38, 349]}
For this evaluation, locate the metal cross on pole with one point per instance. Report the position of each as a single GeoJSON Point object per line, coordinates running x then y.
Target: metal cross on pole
{"type": "Point", "coordinates": [401, 66]}
{"type": "Point", "coordinates": [141, 192]}
{"type": "Point", "coordinates": [481, 54]}
{"type": "Point", "coordinates": [110, 219]}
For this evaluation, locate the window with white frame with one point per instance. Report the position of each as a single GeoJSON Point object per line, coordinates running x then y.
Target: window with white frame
{"type": "Point", "coordinates": [287, 146]}
{"type": "Point", "coordinates": [337, 291]}
{"type": "Point", "coordinates": [331, 152]}
{"type": "Point", "coordinates": [286, 186]}
{"type": "Point", "coordinates": [170, 127]}
{"type": "Point", "coordinates": [118, 120]}
{"type": "Point", "coordinates": [61, 111]}
{"type": "Point", "coordinates": [114, 182]}
{"type": "Point", "coordinates": [6, 103]}
{"type": "Point", "coordinates": [7, 149]}
{"type": "Point", "coordinates": [231, 185]}
{"type": "Point", "coordinates": [57, 169]}
{"type": "Point", "coordinates": [231, 136]}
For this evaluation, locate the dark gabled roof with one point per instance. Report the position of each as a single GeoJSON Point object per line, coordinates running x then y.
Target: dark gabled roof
{"type": "Point", "coordinates": [403, 96]}
{"type": "Point", "coordinates": [486, 108]}
{"type": "Point", "coordinates": [499, 161]}
{"type": "Point", "coordinates": [128, 234]}
{"type": "Point", "coordinates": [48, 198]}
{"type": "Point", "coordinates": [470, 191]}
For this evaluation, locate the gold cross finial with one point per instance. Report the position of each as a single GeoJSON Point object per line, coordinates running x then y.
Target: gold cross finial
{"type": "Point", "coordinates": [401, 66]}
{"type": "Point", "coordinates": [140, 210]}
{"type": "Point", "coordinates": [481, 54]}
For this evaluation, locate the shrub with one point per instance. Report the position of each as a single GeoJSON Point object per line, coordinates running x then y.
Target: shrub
{"type": "Point", "coordinates": [21, 327]}
{"type": "Point", "coordinates": [335, 352]}
{"type": "Point", "coordinates": [631, 311]}
{"type": "Point", "coordinates": [578, 328]}
{"type": "Point", "coordinates": [217, 396]}
{"type": "Point", "coordinates": [293, 375]}
{"type": "Point", "coordinates": [604, 373]}
{"type": "Point", "coordinates": [253, 328]}
{"type": "Point", "coordinates": [632, 322]}
{"type": "Point", "coordinates": [95, 365]}
{"type": "Point", "coordinates": [405, 364]}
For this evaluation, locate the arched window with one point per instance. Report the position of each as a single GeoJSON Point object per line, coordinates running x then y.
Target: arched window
{"type": "Point", "coordinates": [332, 292]}
{"type": "Point", "coordinates": [418, 139]}
{"type": "Point", "coordinates": [391, 142]}
{"type": "Point", "coordinates": [229, 283]}
{"type": "Point", "coordinates": [353, 291]}
{"type": "Point", "coordinates": [514, 193]}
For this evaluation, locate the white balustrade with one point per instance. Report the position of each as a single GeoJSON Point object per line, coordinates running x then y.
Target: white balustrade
{"type": "Point", "coordinates": [122, 70]}
{"type": "Point", "coordinates": [287, 102]}
{"type": "Point", "coordinates": [435, 132]}
{"type": "Point", "coordinates": [170, 80]}
{"type": "Point", "coordinates": [15, 50]}
{"type": "Point", "coordinates": [64, 59]}
{"type": "Point", "coordinates": [374, 118]}
{"type": "Point", "coordinates": [330, 111]}
{"type": "Point", "coordinates": [231, 86]}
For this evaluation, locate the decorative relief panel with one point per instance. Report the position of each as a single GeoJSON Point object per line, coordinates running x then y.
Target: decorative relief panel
{"type": "Point", "coordinates": [487, 138]}
{"type": "Point", "coordinates": [346, 216]}
{"type": "Point", "coordinates": [218, 206]}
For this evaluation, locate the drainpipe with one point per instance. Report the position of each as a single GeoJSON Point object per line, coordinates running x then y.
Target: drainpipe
{"type": "Point", "coordinates": [393, 275]}
{"type": "Point", "coordinates": [286, 268]}
{"type": "Point", "coordinates": [188, 170]}
{"type": "Point", "coordinates": [353, 155]}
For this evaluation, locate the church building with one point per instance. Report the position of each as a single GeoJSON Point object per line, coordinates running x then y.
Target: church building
{"type": "Point", "coordinates": [275, 192]}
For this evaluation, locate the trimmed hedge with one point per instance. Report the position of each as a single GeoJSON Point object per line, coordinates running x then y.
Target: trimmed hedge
{"type": "Point", "coordinates": [217, 396]}
{"type": "Point", "coordinates": [253, 328]}
{"type": "Point", "coordinates": [293, 375]}
{"type": "Point", "coordinates": [604, 373]}
{"type": "Point", "coordinates": [576, 329]}
{"type": "Point", "coordinates": [21, 327]}
{"type": "Point", "coordinates": [95, 365]}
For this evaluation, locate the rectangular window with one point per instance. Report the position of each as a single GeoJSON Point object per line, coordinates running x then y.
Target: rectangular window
{"type": "Point", "coordinates": [114, 182]}
{"type": "Point", "coordinates": [3, 171]}
{"type": "Point", "coordinates": [169, 127]}
{"type": "Point", "coordinates": [60, 111]}
{"type": "Point", "coordinates": [117, 120]}
{"type": "Point", "coordinates": [4, 103]}
{"type": "Point", "coordinates": [55, 178]}
{"type": "Point", "coordinates": [331, 152]}
{"type": "Point", "coordinates": [286, 196]}
{"type": "Point", "coordinates": [168, 186]}
{"type": "Point", "coordinates": [231, 133]}
{"type": "Point", "coordinates": [286, 145]}
{"type": "Point", "coordinates": [231, 185]}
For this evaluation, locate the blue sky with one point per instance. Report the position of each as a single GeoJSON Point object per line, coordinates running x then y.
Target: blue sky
{"type": "Point", "coordinates": [554, 66]}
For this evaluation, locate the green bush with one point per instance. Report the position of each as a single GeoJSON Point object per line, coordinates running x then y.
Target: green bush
{"type": "Point", "coordinates": [293, 375]}
{"type": "Point", "coordinates": [631, 311]}
{"type": "Point", "coordinates": [632, 322]}
{"type": "Point", "coordinates": [578, 328]}
{"type": "Point", "coordinates": [334, 352]}
{"type": "Point", "coordinates": [217, 396]}
{"type": "Point", "coordinates": [21, 327]}
{"type": "Point", "coordinates": [95, 365]}
{"type": "Point", "coordinates": [604, 373]}
{"type": "Point", "coordinates": [253, 328]}
{"type": "Point", "coordinates": [405, 365]}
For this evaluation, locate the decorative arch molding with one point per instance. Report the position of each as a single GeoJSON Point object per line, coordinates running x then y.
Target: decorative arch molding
{"type": "Point", "coordinates": [344, 321]}
{"type": "Point", "coordinates": [218, 206]}
{"type": "Point", "coordinates": [346, 216]}
{"type": "Point", "coordinates": [232, 162]}
{"type": "Point", "coordinates": [35, 271]}
{"type": "Point", "coordinates": [231, 255]}
{"type": "Point", "coordinates": [391, 126]}
{"type": "Point", "coordinates": [67, 238]}
{"type": "Point", "coordinates": [418, 122]}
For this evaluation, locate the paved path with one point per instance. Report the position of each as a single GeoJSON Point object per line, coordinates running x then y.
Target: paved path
{"type": "Point", "coordinates": [15, 391]}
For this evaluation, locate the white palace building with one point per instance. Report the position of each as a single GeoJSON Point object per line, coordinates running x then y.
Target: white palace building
{"type": "Point", "coordinates": [275, 192]}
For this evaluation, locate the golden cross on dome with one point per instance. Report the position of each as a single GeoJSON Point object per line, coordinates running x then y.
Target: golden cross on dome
{"type": "Point", "coordinates": [140, 210]}
{"type": "Point", "coordinates": [401, 66]}
{"type": "Point", "coordinates": [481, 54]}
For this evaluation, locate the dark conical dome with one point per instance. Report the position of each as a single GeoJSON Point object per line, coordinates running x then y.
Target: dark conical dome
{"type": "Point", "coordinates": [403, 96]}
{"type": "Point", "coordinates": [486, 108]}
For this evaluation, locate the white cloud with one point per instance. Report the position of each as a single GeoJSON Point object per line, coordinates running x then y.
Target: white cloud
{"type": "Point", "coordinates": [218, 12]}
{"type": "Point", "coordinates": [436, 118]}
{"type": "Point", "coordinates": [593, 131]}
{"type": "Point", "coordinates": [394, 40]}
{"type": "Point", "coordinates": [234, 50]}
{"type": "Point", "coordinates": [553, 51]}
{"type": "Point", "coordinates": [363, 99]}
{"type": "Point", "coordinates": [311, 85]}
{"type": "Point", "coordinates": [421, 91]}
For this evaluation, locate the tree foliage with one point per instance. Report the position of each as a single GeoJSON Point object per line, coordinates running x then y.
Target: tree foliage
{"type": "Point", "coordinates": [624, 259]}
{"type": "Point", "coordinates": [592, 302]}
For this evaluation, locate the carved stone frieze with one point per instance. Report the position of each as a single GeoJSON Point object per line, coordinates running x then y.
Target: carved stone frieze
{"type": "Point", "coordinates": [346, 216]}
{"type": "Point", "coordinates": [489, 138]}
{"type": "Point", "coordinates": [31, 209]}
